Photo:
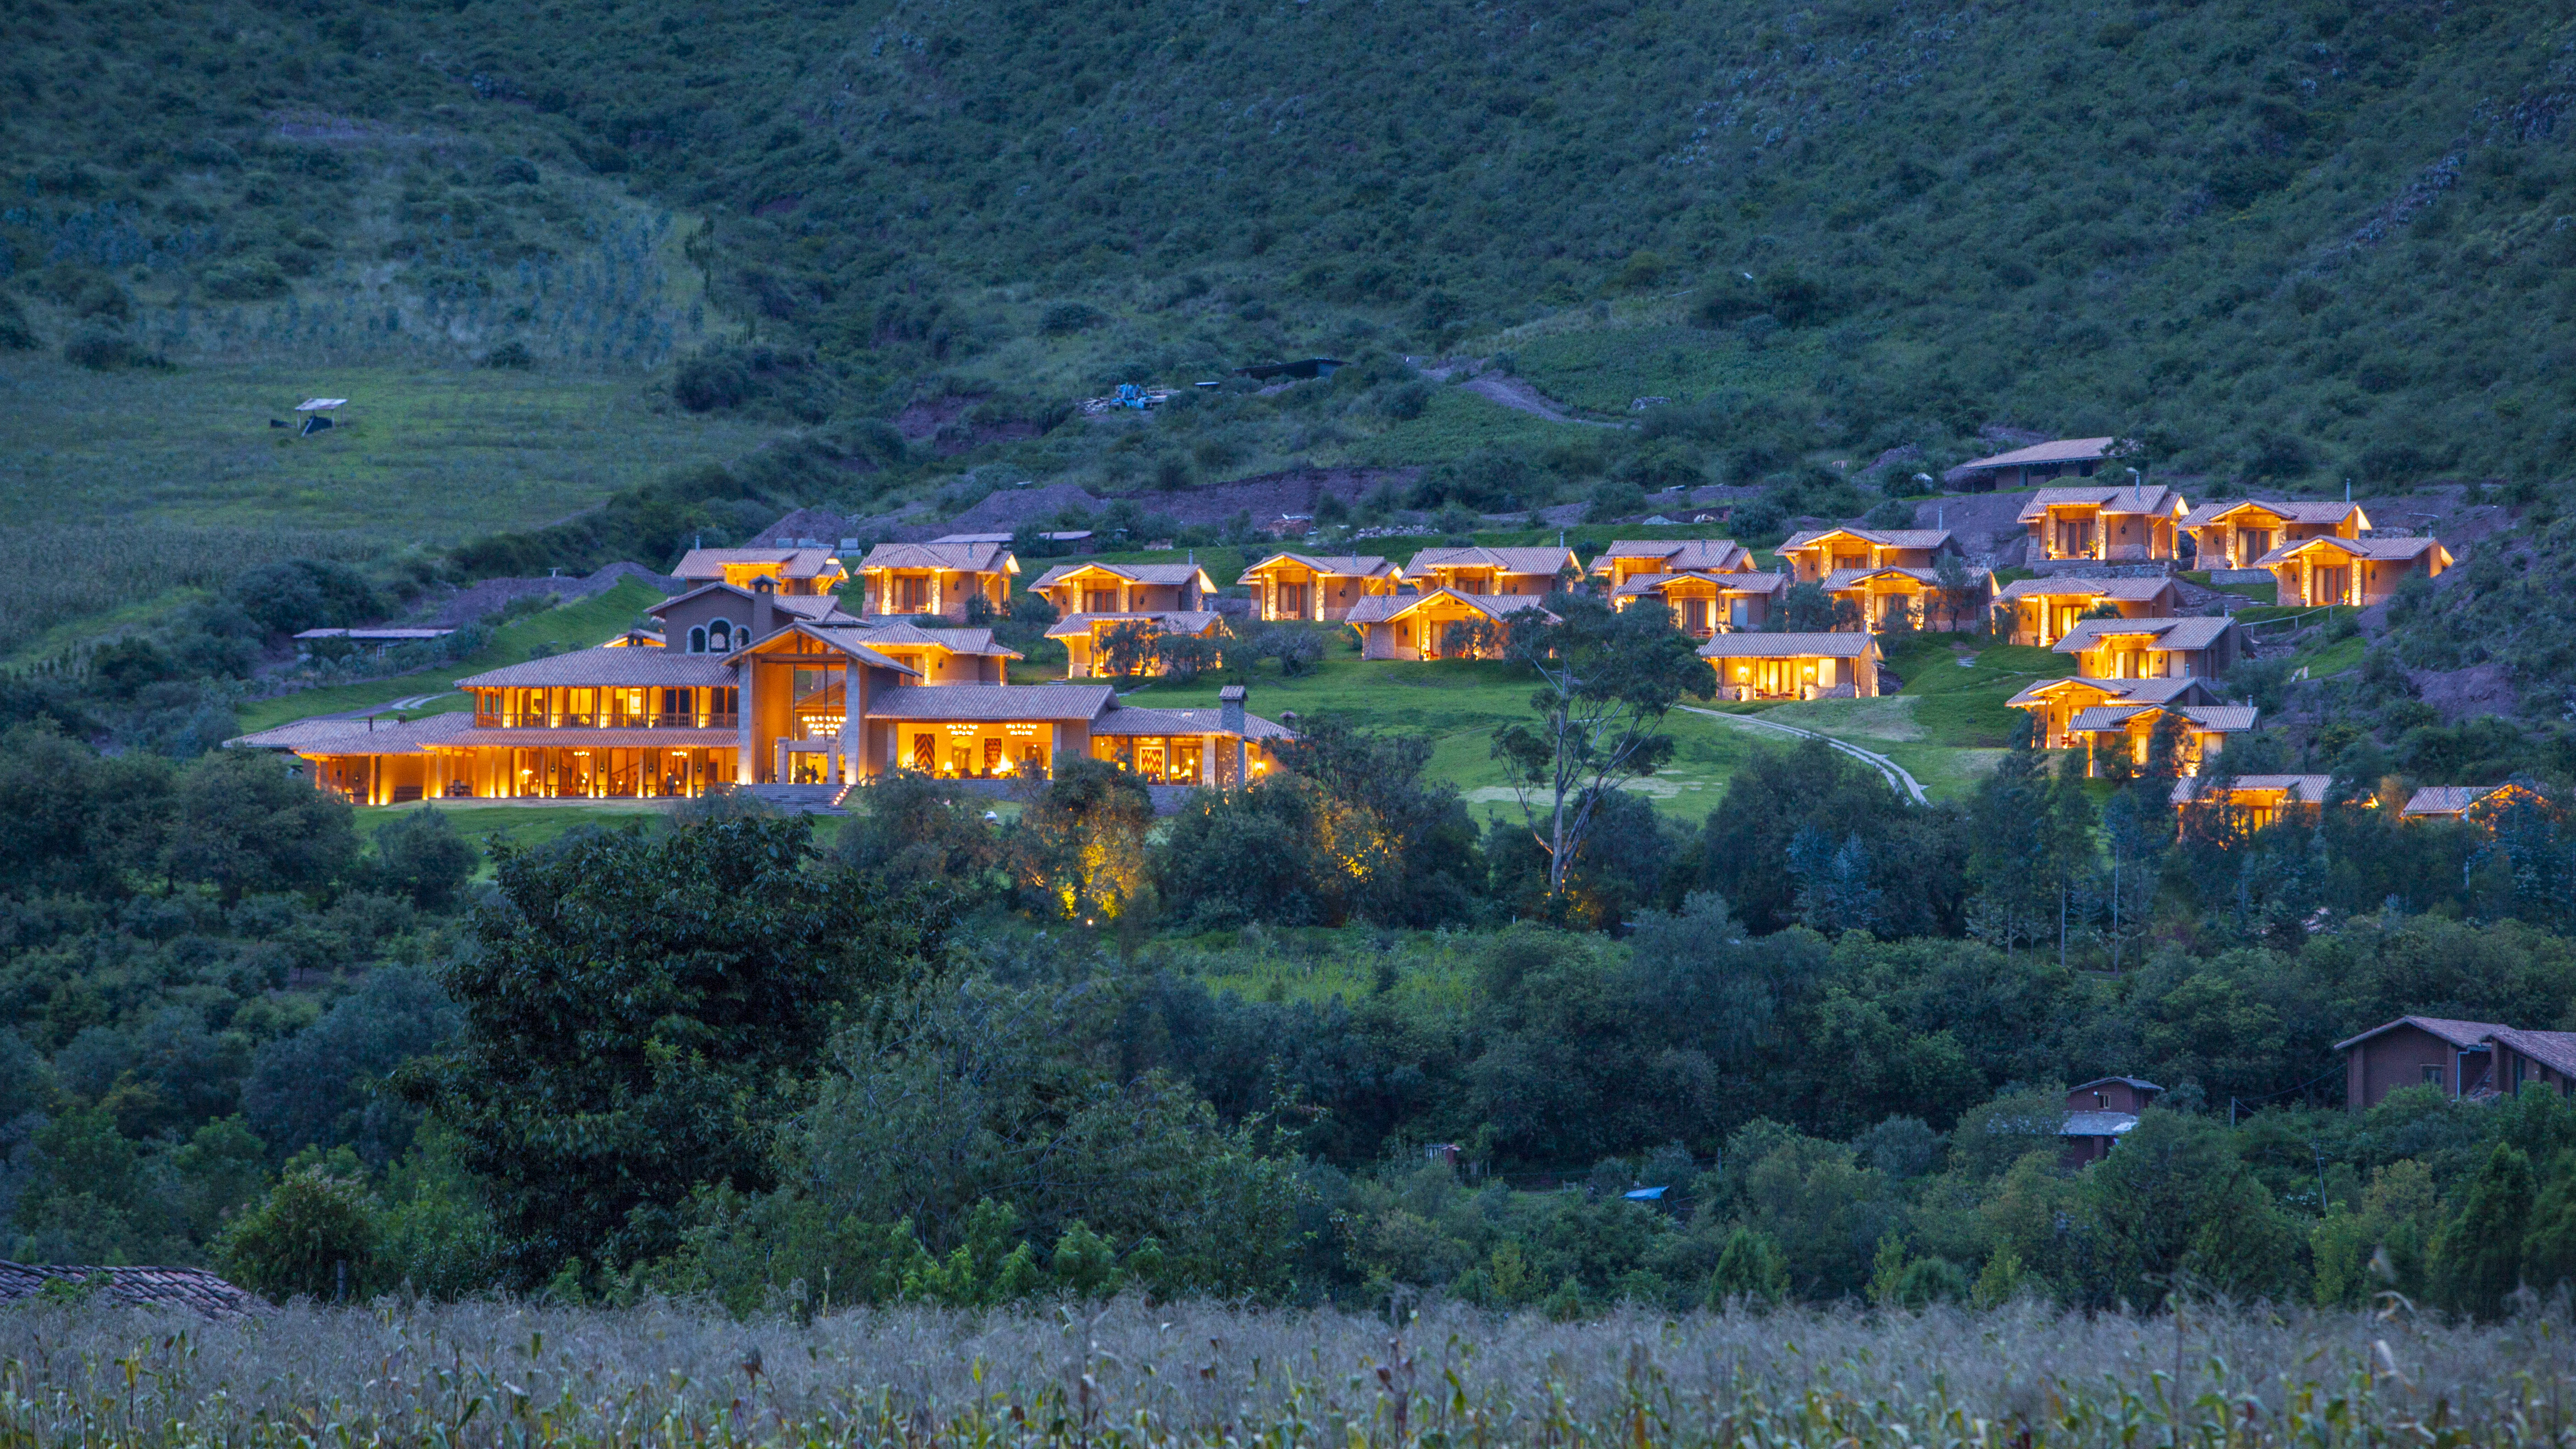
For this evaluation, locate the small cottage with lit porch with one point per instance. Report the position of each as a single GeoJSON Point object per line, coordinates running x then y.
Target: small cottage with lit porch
{"type": "Point", "coordinates": [2355, 571]}
{"type": "Point", "coordinates": [1816, 555]}
{"type": "Point", "coordinates": [940, 578]}
{"type": "Point", "coordinates": [2127, 731]}
{"type": "Point", "coordinates": [1440, 624]}
{"type": "Point", "coordinates": [2251, 802]}
{"type": "Point", "coordinates": [1625, 559]}
{"type": "Point", "coordinates": [2236, 535]}
{"type": "Point", "coordinates": [1479, 572]}
{"type": "Point", "coordinates": [2056, 703]}
{"type": "Point", "coordinates": [1316, 587]}
{"type": "Point", "coordinates": [1703, 604]}
{"type": "Point", "coordinates": [2043, 610]}
{"type": "Point", "coordinates": [1756, 666]}
{"type": "Point", "coordinates": [2136, 524]}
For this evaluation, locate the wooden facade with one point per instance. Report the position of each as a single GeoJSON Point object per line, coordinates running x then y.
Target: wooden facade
{"type": "Point", "coordinates": [1315, 588]}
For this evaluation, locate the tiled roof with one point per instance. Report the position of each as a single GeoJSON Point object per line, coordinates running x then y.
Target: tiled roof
{"type": "Point", "coordinates": [992, 702]}
{"type": "Point", "coordinates": [193, 1289]}
{"type": "Point", "coordinates": [1680, 555]}
{"type": "Point", "coordinates": [1726, 583]}
{"type": "Point", "coordinates": [1361, 565]}
{"type": "Point", "coordinates": [795, 563]}
{"type": "Point", "coordinates": [903, 633]}
{"type": "Point", "coordinates": [2555, 1050]}
{"type": "Point", "coordinates": [2295, 789]}
{"type": "Point", "coordinates": [2140, 1083]}
{"type": "Point", "coordinates": [2062, 450]}
{"type": "Point", "coordinates": [584, 738]}
{"type": "Point", "coordinates": [1170, 621]}
{"type": "Point", "coordinates": [1785, 646]}
{"type": "Point", "coordinates": [978, 558]}
{"type": "Point", "coordinates": [355, 736]}
{"type": "Point", "coordinates": [2197, 631]}
{"type": "Point", "coordinates": [1129, 720]}
{"type": "Point", "coordinates": [2150, 498]}
{"type": "Point", "coordinates": [2386, 550]}
{"type": "Point", "coordinates": [2127, 691]}
{"type": "Point", "coordinates": [1883, 537]}
{"type": "Point", "coordinates": [2312, 512]}
{"type": "Point", "coordinates": [803, 606]}
{"type": "Point", "coordinates": [1179, 573]}
{"type": "Point", "coordinates": [2446, 799]}
{"type": "Point", "coordinates": [1840, 579]}
{"type": "Point", "coordinates": [2126, 590]}
{"type": "Point", "coordinates": [607, 668]}
{"type": "Point", "coordinates": [1506, 560]}
{"type": "Point", "coordinates": [2457, 1033]}
{"type": "Point", "coordinates": [1385, 608]}
{"type": "Point", "coordinates": [2226, 719]}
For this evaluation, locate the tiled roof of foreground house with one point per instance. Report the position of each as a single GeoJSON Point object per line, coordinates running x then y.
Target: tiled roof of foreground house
{"type": "Point", "coordinates": [193, 1289]}
{"type": "Point", "coordinates": [2133, 691]}
{"type": "Point", "coordinates": [992, 701]}
{"type": "Point", "coordinates": [2295, 789]}
{"type": "Point", "coordinates": [1360, 564]}
{"type": "Point", "coordinates": [2555, 1050]}
{"type": "Point", "coordinates": [362, 737]}
{"type": "Point", "coordinates": [1171, 621]}
{"type": "Point", "coordinates": [2450, 1029]}
{"type": "Point", "coordinates": [2447, 799]}
{"type": "Point", "coordinates": [1179, 573]}
{"type": "Point", "coordinates": [1503, 560]}
{"type": "Point", "coordinates": [2196, 631]}
{"type": "Point", "coordinates": [804, 606]}
{"type": "Point", "coordinates": [1746, 645]}
{"type": "Point", "coordinates": [1731, 583]}
{"type": "Point", "coordinates": [898, 634]}
{"type": "Point", "coordinates": [1379, 608]}
{"type": "Point", "coordinates": [1883, 537]}
{"type": "Point", "coordinates": [607, 668]}
{"type": "Point", "coordinates": [983, 558]}
{"type": "Point", "coordinates": [2149, 498]}
{"type": "Point", "coordinates": [1680, 555]}
{"type": "Point", "coordinates": [2222, 718]}
{"type": "Point", "coordinates": [794, 563]}
{"type": "Point", "coordinates": [1128, 720]}
{"type": "Point", "coordinates": [2382, 549]}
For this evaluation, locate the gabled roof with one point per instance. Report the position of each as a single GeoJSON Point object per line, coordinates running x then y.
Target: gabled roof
{"type": "Point", "coordinates": [1128, 720]}
{"type": "Point", "coordinates": [1169, 621]}
{"type": "Point", "coordinates": [903, 633]}
{"type": "Point", "coordinates": [794, 563]}
{"type": "Point", "coordinates": [1548, 561]}
{"type": "Point", "coordinates": [1739, 583]}
{"type": "Point", "coordinates": [803, 606]}
{"type": "Point", "coordinates": [1840, 579]}
{"type": "Point", "coordinates": [2462, 1034]}
{"type": "Point", "coordinates": [2061, 450]}
{"type": "Point", "coordinates": [2225, 719]}
{"type": "Point", "coordinates": [2295, 789]}
{"type": "Point", "coordinates": [1360, 565]}
{"type": "Point", "coordinates": [2196, 631]}
{"type": "Point", "coordinates": [2137, 1082]}
{"type": "Point", "coordinates": [2126, 691]}
{"type": "Point", "coordinates": [1387, 608]}
{"type": "Point", "coordinates": [1746, 645]}
{"type": "Point", "coordinates": [947, 556]}
{"type": "Point", "coordinates": [2383, 550]}
{"type": "Point", "coordinates": [1179, 573]}
{"type": "Point", "coordinates": [2555, 1050]}
{"type": "Point", "coordinates": [357, 736]}
{"type": "Point", "coordinates": [2307, 512]}
{"type": "Point", "coordinates": [606, 668]}
{"type": "Point", "coordinates": [850, 639]}
{"type": "Point", "coordinates": [1680, 555]}
{"type": "Point", "coordinates": [1932, 538]}
{"type": "Point", "coordinates": [2125, 590]}
{"type": "Point", "coordinates": [2149, 498]}
{"type": "Point", "coordinates": [193, 1289]}
{"type": "Point", "coordinates": [992, 702]}
{"type": "Point", "coordinates": [2446, 799]}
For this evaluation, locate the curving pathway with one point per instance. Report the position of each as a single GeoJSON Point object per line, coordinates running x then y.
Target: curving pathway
{"type": "Point", "coordinates": [1897, 776]}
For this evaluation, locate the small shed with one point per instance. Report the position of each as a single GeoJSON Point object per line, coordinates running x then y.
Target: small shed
{"type": "Point", "coordinates": [2098, 1114]}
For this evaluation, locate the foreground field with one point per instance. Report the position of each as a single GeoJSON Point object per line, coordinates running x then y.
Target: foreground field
{"type": "Point", "coordinates": [1133, 1374]}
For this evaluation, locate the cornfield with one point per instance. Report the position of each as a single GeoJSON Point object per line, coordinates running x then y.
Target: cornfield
{"type": "Point", "coordinates": [53, 572]}
{"type": "Point", "coordinates": [1133, 1374]}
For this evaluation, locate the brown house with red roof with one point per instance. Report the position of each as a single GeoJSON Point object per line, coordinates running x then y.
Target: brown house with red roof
{"type": "Point", "coordinates": [2466, 1060]}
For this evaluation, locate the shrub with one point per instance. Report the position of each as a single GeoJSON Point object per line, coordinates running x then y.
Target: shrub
{"type": "Point", "coordinates": [1065, 318]}
{"type": "Point", "coordinates": [314, 1235]}
{"type": "Point", "coordinates": [103, 351]}
{"type": "Point", "coordinates": [514, 355]}
{"type": "Point", "coordinates": [252, 279]}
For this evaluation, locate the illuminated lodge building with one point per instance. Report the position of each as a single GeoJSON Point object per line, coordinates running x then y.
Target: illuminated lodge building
{"type": "Point", "coordinates": [805, 698]}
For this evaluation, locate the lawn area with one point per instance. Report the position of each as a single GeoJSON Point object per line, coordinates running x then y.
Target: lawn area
{"type": "Point", "coordinates": [571, 626]}
{"type": "Point", "coordinates": [1457, 422]}
{"type": "Point", "coordinates": [2331, 656]}
{"type": "Point", "coordinates": [1961, 706]}
{"type": "Point", "coordinates": [1607, 368]}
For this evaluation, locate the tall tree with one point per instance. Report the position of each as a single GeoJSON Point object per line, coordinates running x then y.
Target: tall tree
{"type": "Point", "coordinates": [637, 1010]}
{"type": "Point", "coordinates": [1607, 678]}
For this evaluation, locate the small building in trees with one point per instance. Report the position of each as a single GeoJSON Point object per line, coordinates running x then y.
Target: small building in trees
{"type": "Point", "coordinates": [2236, 535]}
{"type": "Point", "coordinates": [938, 578]}
{"type": "Point", "coordinates": [2055, 703]}
{"type": "Point", "coordinates": [2043, 610]}
{"type": "Point", "coordinates": [2133, 524]}
{"type": "Point", "coordinates": [2464, 1060]}
{"type": "Point", "coordinates": [1105, 609]}
{"type": "Point", "coordinates": [1704, 604]}
{"type": "Point", "coordinates": [1754, 666]}
{"type": "Point", "coordinates": [2476, 804]}
{"type": "Point", "coordinates": [1477, 571]}
{"type": "Point", "coordinates": [1316, 587]}
{"type": "Point", "coordinates": [2356, 571]}
{"type": "Point", "coordinates": [2249, 802]}
{"type": "Point", "coordinates": [1095, 643]}
{"type": "Point", "coordinates": [2127, 730]}
{"type": "Point", "coordinates": [2098, 1114]}
{"type": "Point", "coordinates": [2031, 466]}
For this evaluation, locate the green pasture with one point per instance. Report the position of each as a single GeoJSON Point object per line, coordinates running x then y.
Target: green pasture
{"type": "Point", "coordinates": [1604, 369]}
{"type": "Point", "coordinates": [570, 626]}
{"type": "Point", "coordinates": [1455, 423]}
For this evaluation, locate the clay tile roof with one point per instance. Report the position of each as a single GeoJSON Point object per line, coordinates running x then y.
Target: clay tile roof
{"type": "Point", "coordinates": [992, 702]}
{"type": "Point", "coordinates": [1883, 537]}
{"type": "Point", "coordinates": [355, 737]}
{"type": "Point", "coordinates": [2226, 719]}
{"type": "Point", "coordinates": [1127, 720]}
{"type": "Point", "coordinates": [1725, 583]}
{"type": "Point", "coordinates": [193, 1289]}
{"type": "Point", "coordinates": [2555, 1050]}
{"type": "Point", "coordinates": [1680, 555]}
{"type": "Point", "coordinates": [1840, 579]}
{"type": "Point", "coordinates": [795, 563]}
{"type": "Point", "coordinates": [2382, 549]}
{"type": "Point", "coordinates": [2308, 512]}
{"type": "Point", "coordinates": [2295, 789]}
{"type": "Point", "coordinates": [2061, 450]}
{"type": "Point", "coordinates": [2151, 498]}
{"type": "Point", "coordinates": [1362, 565]}
{"type": "Point", "coordinates": [607, 668]}
{"type": "Point", "coordinates": [2197, 631]}
{"type": "Point", "coordinates": [2458, 1033]}
{"type": "Point", "coordinates": [1786, 646]}
{"type": "Point", "coordinates": [1179, 573]}
{"type": "Point", "coordinates": [581, 738]}
{"type": "Point", "coordinates": [949, 557]}
{"type": "Point", "coordinates": [1505, 560]}
{"type": "Point", "coordinates": [1383, 608]}
{"type": "Point", "coordinates": [1169, 621]}
{"type": "Point", "coordinates": [884, 634]}
{"type": "Point", "coordinates": [2127, 590]}
{"type": "Point", "coordinates": [2446, 799]}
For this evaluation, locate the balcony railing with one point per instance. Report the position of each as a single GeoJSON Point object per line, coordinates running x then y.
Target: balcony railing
{"type": "Point", "coordinates": [609, 720]}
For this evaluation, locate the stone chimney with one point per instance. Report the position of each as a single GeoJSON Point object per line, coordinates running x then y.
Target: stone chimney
{"type": "Point", "coordinates": [764, 607]}
{"type": "Point", "coordinates": [1230, 717]}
